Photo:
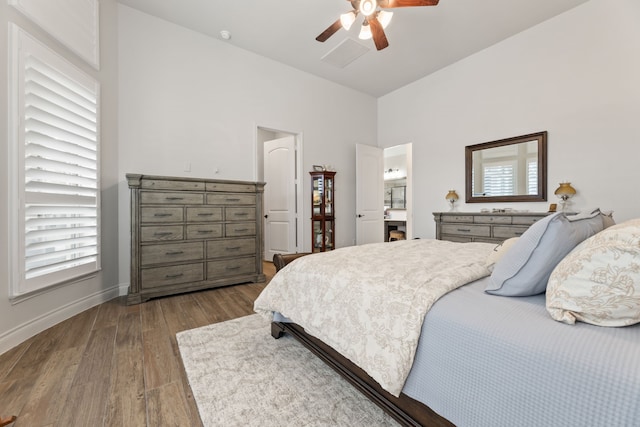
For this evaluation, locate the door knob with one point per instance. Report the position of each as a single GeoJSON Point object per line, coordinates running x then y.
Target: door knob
{"type": "Point", "coordinates": [266, 216]}
{"type": "Point", "coordinates": [360, 215]}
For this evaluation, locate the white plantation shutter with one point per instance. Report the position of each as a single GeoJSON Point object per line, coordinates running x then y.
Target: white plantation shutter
{"type": "Point", "coordinates": [58, 160]}
{"type": "Point", "coordinates": [499, 180]}
{"type": "Point", "coordinates": [532, 176]}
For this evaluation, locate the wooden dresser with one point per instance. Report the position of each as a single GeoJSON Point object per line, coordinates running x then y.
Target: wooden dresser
{"type": "Point", "coordinates": [189, 234]}
{"type": "Point", "coordinates": [483, 227]}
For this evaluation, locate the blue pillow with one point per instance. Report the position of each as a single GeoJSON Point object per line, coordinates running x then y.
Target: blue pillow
{"type": "Point", "coordinates": [525, 269]}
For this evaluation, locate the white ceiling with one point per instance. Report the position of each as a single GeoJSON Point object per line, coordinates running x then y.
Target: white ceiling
{"type": "Point", "coordinates": [421, 39]}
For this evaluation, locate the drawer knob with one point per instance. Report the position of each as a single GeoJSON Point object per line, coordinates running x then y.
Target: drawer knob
{"type": "Point", "coordinates": [205, 214]}
{"type": "Point", "coordinates": [173, 276]}
{"type": "Point", "coordinates": [162, 233]}
{"type": "Point", "coordinates": [233, 268]}
{"type": "Point", "coordinates": [205, 231]}
{"type": "Point", "coordinates": [464, 230]}
{"type": "Point", "coordinates": [162, 215]}
{"type": "Point", "coordinates": [174, 198]}
{"type": "Point", "coordinates": [241, 214]}
{"type": "Point", "coordinates": [241, 229]}
{"type": "Point", "coordinates": [233, 200]}
{"type": "Point", "coordinates": [234, 248]}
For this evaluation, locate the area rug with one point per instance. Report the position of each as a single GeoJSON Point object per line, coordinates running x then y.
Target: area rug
{"type": "Point", "coordinates": [241, 376]}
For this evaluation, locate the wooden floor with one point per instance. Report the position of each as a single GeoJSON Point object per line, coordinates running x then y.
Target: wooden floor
{"type": "Point", "coordinates": [115, 365]}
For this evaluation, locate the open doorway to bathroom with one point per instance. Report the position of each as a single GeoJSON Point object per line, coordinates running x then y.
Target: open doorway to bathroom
{"type": "Point", "coordinates": [397, 192]}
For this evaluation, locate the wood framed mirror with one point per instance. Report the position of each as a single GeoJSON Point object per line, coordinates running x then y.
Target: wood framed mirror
{"type": "Point", "coordinates": [507, 170]}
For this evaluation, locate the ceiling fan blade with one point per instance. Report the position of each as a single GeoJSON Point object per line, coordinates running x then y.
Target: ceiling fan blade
{"type": "Point", "coordinates": [379, 38]}
{"type": "Point", "coordinates": [329, 31]}
{"type": "Point", "coordinates": [389, 4]}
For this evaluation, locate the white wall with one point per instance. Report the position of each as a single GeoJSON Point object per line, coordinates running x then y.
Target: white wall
{"type": "Point", "coordinates": [189, 98]}
{"type": "Point", "coordinates": [576, 76]}
{"type": "Point", "coordinates": [22, 320]}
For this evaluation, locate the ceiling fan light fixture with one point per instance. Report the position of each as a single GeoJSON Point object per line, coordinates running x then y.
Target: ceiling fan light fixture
{"type": "Point", "coordinates": [367, 7]}
{"type": "Point", "coordinates": [347, 19]}
{"type": "Point", "coordinates": [365, 32]}
{"type": "Point", "coordinates": [385, 18]}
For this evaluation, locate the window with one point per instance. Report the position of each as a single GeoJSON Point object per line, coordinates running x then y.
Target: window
{"type": "Point", "coordinates": [54, 166]}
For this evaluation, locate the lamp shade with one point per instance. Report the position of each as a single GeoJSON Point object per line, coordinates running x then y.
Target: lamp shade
{"type": "Point", "coordinates": [452, 196]}
{"type": "Point", "coordinates": [385, 18]}
{"type": "Point", "coordinates": [365, 31]}
{"type": "Point", "coordinates": [565, 191]}
{"type": "Point", "coordinates": [347, 19]}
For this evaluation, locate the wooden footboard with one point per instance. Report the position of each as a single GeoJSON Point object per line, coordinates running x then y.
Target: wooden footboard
{"type": "Point", "coordinates": [405, 410]}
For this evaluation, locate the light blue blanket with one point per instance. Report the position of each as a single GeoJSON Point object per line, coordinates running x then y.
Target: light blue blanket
{"type": "Point", "coordinates": [495, 361]}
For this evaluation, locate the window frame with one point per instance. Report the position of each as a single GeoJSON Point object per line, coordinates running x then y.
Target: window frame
{"type": "Point", "coordinates": [22, 44]}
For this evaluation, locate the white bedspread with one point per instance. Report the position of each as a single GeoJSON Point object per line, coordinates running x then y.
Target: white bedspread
{"type": "Point", "coordinates": [368, 302]}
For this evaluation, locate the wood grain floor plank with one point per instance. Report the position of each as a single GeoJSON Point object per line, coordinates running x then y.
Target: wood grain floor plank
{"type": "Point", "coordinates": [166, 407]}
{"type": "Point", "coordinates": [95, 364]}
{"type": "Point", "coordinates": [160, 364]}
{"type": "Point", "coordinates": [50, 392]}
{"type": "Point", "coordinates": [151, 314]}
{"type": "Point", "coordinates": [9, 359]}
{"type": "Point", "coordinates": [109, 313]}
{"type": "Point", "coordinates": [35, 358]}
{"type": "Point", "coordinates": [129, 333]}
{"type": "Point", "coordinates": [77, 329]}
{"type": "Point", "coordinates": [127, 405]}
{"type": "Point", "coordinates": [86, 404]}
{"type": "Point", "coordinates": [14, 394]}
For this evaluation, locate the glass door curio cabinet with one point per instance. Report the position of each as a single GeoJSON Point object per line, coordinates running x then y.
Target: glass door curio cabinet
{"type": "Point", "coordinates": [322, 211]}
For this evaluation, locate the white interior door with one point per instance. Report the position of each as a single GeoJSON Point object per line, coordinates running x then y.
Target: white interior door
{"type": "Point", "coordinates": [369, 194]}
{"type": "Point", "coordinates": [280, 196]}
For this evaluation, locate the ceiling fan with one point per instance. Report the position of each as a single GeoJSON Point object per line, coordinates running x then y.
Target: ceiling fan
{"type": "Point", "coordinates": [375, 19]}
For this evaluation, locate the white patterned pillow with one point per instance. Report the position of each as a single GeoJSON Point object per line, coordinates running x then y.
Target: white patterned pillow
{"type": "Point", "coordinates": [599, 281]}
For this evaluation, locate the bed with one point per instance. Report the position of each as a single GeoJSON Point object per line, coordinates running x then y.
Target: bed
{"type": "Point", "coordinates": [493, 348]}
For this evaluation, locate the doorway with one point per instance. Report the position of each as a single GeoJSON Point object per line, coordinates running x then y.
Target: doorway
{"type": "Point", "coordinates": [375, 212]}
{"type": "Point", "coordinates": [278, 164]}
{"type": "Point", "coordinates": [398, 206]}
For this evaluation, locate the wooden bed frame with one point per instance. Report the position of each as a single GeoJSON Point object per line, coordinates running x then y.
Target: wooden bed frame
{"type": "Point", "coordinates": [405, 410]}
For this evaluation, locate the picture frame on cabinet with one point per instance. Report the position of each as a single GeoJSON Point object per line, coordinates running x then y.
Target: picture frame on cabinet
{"type": "Point", "coordinates": [318, 168]}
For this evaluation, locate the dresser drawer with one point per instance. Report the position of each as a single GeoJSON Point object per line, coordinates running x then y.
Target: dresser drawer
{"type": "Point", "coordinates": [160, 214]}
{"type": "Point", "coordinates": [231, 267]}
{"type": "Point", "coordinates": [467, 230]}
{"type": "Point", "coordinates": [488, 219]}
{"type": "Point", "coordinates": [158, 277]}
{"type": "Point", "coordinates": [230, 247]}
{"type": "Point", "coordinates": [459, 239]}
{"type": "Point", "coordinates": [457, 218]}
{"type": "Point", "coordinates": [204, 231]}
{"type": "Point", "coordinates": [508, 232]}
{"type": "Point", "coordinates": [240, 214]}
{"type": "Point", "coordinates": [161, 184]}
{"type": "Point", "coordinates": [175, 252]}
{"type": "Point", "coordinates": [231, 199]}
{"type": "Point", "coordinates": [161, 233]}
{"type": "Point", "coordinates": [205, 214]}
{"type": "Point", "coordinates": [240, 229]}
{"type": "Point", "coordinates": [230, 187]}
{"type": "Point", "coordinates": [526, 220]}
{"type": "Point", "coordinates": [176, 198]}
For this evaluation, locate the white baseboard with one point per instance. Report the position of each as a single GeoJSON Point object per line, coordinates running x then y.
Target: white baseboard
{"type": "Point", "coordinates": [21, 333]}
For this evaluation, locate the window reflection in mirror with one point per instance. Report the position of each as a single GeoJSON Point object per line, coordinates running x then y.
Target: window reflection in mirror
{"type": "Point", "coordinates": [512, 169]}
